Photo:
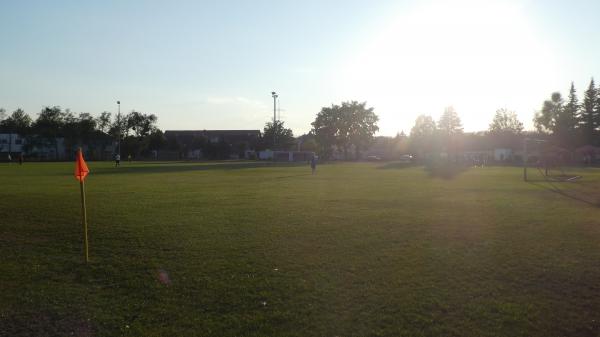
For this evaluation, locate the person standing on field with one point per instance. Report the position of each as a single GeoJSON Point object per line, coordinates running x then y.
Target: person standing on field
{"type": "Point", "coordinates": [117, 160]}
{"type": "Point", "coordinates": [21, 158]}
{"type": "Point", "coordinates": [313, 164]}
{"type": "Point", "coordinates": [9, 158]}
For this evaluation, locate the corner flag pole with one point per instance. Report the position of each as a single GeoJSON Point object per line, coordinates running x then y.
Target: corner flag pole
{"type": "Point", "coordinates": [81, 171]}
{"type": "Point", "coordinates": [84, 220]}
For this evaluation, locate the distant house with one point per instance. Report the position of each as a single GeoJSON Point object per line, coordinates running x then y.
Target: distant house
{"type": "Point", "coordinates": [291, 156]}
{"type": "Point", "coordinates": [387, 148]}
{"type": "Point", "coordinates": [214, 136]}
{"type": "Point", "coordinates": [196, 144]}
{"type": "Point", "coordinates": [42, 149]}
{"type": "Point", "coordinates": [503, 154]}
{"type": "Point", "coordinates": [11, 142]}
{"type": "Point", "coordinates": [46, 148]}
{"type": "Point", "coordinates": [587, 154]}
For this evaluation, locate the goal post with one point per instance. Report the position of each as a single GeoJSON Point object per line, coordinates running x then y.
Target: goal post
{"type": "Point", "coordinates": [549, 159]}
{"type": "Point", "coordinates": [526, 141]}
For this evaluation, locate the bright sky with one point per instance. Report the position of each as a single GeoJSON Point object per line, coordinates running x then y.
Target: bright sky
{"type": "Point", "coordinates": [213, 65]}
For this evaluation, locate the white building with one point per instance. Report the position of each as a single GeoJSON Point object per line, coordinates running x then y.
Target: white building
{"type": "Point", "coordinates": [56, 151]}
{"type": "Point", "coordinates": [503, 154]}
{"type": "Point", "coordinates": [15, 144]}
{"type": "Point", "coordinates": [11, 142]}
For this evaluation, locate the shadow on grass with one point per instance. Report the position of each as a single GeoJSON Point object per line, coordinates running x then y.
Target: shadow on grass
{"type": "Point", "coordinates": [187, 167]}
{"type": "Point", "coordinates": [578, 191]}
{"type": "Point", "coordinates": [45, 323]}
{"type": "Point", "coordinates": [445, 170]}
{"type": "Point", "coordinates": [395, 165]}
{"type": "Point", "coordinates": [294, 176]}
{"type": "Point", "coordinates": [437, 169]}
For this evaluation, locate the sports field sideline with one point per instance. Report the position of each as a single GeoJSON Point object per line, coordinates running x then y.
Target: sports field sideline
{"type": "Point", "coordinates": [248, 249]}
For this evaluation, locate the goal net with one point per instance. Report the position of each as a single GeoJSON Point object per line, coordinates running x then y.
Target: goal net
{"type": "Point", "coordinates": [550, 161]}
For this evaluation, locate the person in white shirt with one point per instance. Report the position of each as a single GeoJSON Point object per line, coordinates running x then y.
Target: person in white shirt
{"type": "Point", "coordinates": [313, 164]}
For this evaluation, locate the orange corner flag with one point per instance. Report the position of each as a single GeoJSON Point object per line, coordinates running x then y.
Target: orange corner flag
{"type": "Point", "coordinates": [81, 169]}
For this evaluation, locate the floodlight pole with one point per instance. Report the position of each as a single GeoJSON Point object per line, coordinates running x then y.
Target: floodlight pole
{"type": "Point", "coordinates": [525, 159]}
{"type": "Point", "coordinates": [119, 129]}
{"type": "Point", "coordinates": [274, 95]}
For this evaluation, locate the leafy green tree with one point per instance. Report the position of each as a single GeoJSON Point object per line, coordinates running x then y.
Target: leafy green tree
{"type": "Point", "coordinates": [572, 108]}
{"type": "Point", "coordinates": [325, 129]}
{"type": "Point", "coordinates": [344, 126]}
{"type": "Point", "coordinates": [504, 128]}
{"type": "Point", "coordinates": [363, 125]}
{"type": "Point", "coordinates": [449, 128]}
{"type": "Point", "coordinates": [424, 127]}
{"type": "Point", "coordinates": [310, 145]}
{"type": "Point", "coordinates": [81, 130]}
{"type": "Point", "coordinates": [156, 140]}
{"type": "Point", "coordinates": [589, 120]}
{"type": "Point", "coordinates": [18, 122]}
{"type": "Point", "coordinates": [86, 124]}
{"type": "Point", "coordinates": [545, 119]}
{"type": "Point", "coordinates": [307, 142]}
{"type": "Point", "coordinates": [449, 123]}
{"type": "Point", "coordinates": [118, 128]}
{"type": "Point", "coordinates": [103, 122]}
{"type": "Point", "coordinates": [48, 126]}
{"type": "Point", "coordinates": [568, 119]}
{"type": "Point", "coordinates": [278, 133]}
{"type": "Point", "coordinates": [505, 121]}
{"type": "Point", "coordinates": [70, 130]}
{"type": "Point", "coordinates": [422, 135]}
{"type": "Point", "coordinates": [401, 143]}
{"type": "Point", "coordinates": [100, 137]}
{"type": "Point", "coordinates": [141, 124]}
{"type": "Point", "coordinates": [558, 119]}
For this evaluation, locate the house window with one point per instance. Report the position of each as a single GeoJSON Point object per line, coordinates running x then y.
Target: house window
{"type": "Point", "coordinates": [4, 141]}
{"type": "Point", "coordinates": [18, 141]}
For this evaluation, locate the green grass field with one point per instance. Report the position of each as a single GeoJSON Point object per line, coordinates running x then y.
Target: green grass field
{"type": "Point", "coordinates": [360, 249]}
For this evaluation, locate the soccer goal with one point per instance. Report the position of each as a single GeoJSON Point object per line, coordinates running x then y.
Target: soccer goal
{"type": "Point", "coordinates": [548, 160]}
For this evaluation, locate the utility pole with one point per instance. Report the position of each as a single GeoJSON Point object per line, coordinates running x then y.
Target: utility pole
{"type": "Point", "coordinates": [274, 95]}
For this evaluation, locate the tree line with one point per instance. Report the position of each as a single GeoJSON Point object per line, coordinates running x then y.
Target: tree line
{"type": "Point", "coordinates": [571, 122]}
{"type": "Point", "coordinates": [344, 129]}
{"type": "Point", "coordinates": [446, 135]}
{"type": "Point", "coordinates": [136, 131]}
{"type": "Point", "coordinates": [348, 127]}
{"type": "Point", "coordinates": [567, 124]}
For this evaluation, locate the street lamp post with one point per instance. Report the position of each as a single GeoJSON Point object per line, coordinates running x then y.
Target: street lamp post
{"type": "Point", "coordinates": [274, 95]}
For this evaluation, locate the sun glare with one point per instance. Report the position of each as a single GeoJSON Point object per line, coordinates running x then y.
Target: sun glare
{"type": "Point", "coordinates": [477, 56]}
